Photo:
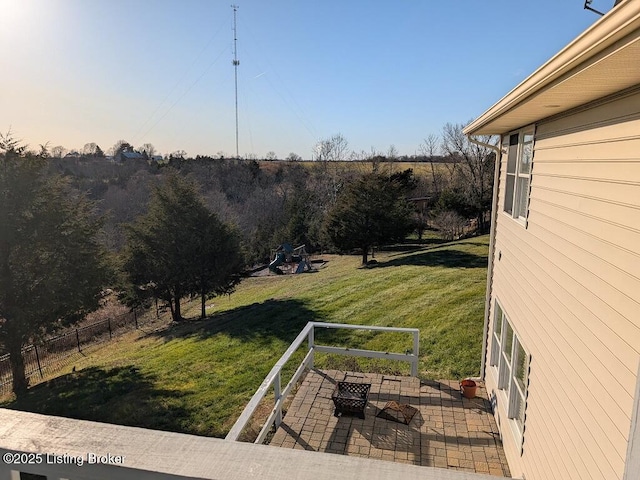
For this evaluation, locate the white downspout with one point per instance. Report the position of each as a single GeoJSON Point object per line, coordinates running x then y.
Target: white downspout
{"type": "Point", "coordinates": [632, 463]}
{"type": "Point", "coordinates": [492, 235]}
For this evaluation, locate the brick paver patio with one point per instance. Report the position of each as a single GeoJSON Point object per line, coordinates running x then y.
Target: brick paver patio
{"type": "Point", "coordinates": [448, 431]}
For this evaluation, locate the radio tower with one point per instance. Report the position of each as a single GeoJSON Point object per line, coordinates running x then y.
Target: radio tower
{"type": "Point", "coordinates": [236, 62]}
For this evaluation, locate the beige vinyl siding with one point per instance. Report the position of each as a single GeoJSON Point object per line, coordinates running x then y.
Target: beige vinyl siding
{"type": "Point", "coordinates": [570, 284]}
{"type": "Point", "coordinates": [560, 382]}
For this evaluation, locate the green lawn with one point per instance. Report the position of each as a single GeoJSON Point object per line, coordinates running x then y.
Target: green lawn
{"type": "Point", "coordinates": [196, 377]}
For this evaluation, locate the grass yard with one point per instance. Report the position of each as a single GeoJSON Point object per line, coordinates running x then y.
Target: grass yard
{"type": "Point", "coordinates": [197, 376]}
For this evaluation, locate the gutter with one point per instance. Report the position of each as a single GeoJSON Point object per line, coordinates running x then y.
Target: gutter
{"type": "Point", "coordinates": [492, 246]}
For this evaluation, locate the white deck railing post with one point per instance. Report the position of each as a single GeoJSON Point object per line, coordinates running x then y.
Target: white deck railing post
{"type": "Point", "coordinates": [311, 346]}
{"type": "Point", "coordinates": [277, 394]}
{"type": "Point", "coordinates": [416, 354]}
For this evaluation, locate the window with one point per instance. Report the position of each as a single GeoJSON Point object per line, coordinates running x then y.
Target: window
{"type": "Point", "coordinates": [497, 335]}
{"type": "Point", "coordinates": [519, 384]}
{"type": "Point", "coordinates": [519, 157]}
{"type": "Point", "coordinates": [512, 364]}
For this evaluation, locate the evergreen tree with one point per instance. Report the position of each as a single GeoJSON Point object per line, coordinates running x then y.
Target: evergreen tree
{"type": "Point", "coordinates": [219, 262]}
{"type": "Point", "coordinates": [371, 211]}
{"type": "Point", "coordinates": [52, 269]}
{"type": "Point", "coordinates": [180, 247]}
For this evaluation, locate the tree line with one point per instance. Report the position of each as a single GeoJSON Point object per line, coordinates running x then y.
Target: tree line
{"type": "Point", "coordinates": [70, 227]}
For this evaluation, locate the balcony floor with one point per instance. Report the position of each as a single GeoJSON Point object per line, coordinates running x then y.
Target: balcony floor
{"type": "Point", "coordinates": [448, 431]}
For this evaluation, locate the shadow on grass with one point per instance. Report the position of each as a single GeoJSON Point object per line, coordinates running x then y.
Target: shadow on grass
{"type": "Point", "coordinates": [258, 322]}
{"type": "Point", "coordinates": [437, 258]}
{"type": "Point", "coordinates": [413, 245]}
{"type": "Point", "coordinates": [121, 395]}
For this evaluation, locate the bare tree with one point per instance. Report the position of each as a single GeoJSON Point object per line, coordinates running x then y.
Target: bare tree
{"type": "Point", "coordinates": [334, 149]}
{"type": "Point", "coordinates": [374, 157]}
{"type": "Point", "coordinates": [119, 147]}
{"type": "Point", "coordinates": [89, 148]}
{"type": "Point", "coordinates": [392, 153]}
{"type": "Point", "coordinates": [293, 157]}
{"type": "Point", "coordinates": [271, 156]}
{"type": "Point", "coordinates": [429, 148]}
{"type": "Point", "coordinates": [392, 157]}
{"type": "Point", "coordinates": [355, 156]}
{"type": "Point", "coordinates": [148, 149]}
{"type": "Point", "coordinates": [124, 203]}
{"type": "Point", "coordinates": [58, 151]}
{"type": "Point", "coordinates": [450, 224]}
{"type": "Point", "coordinates": [92, 150]}
{"type": "Point", "coordinates": [329, 152]}
{"type": "Point", "coordinates": [474, 171]}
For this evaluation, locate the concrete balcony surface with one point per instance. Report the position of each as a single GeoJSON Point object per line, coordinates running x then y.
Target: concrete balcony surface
{"type": "Point", "coordinates": [448, 430]}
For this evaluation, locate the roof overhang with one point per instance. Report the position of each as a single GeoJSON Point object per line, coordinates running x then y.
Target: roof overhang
{"type": "Point", "coordinates": [603, 60]}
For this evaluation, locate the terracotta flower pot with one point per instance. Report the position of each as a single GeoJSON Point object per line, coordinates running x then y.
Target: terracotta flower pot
{"type": "Point", "coordinates": [468, 388]}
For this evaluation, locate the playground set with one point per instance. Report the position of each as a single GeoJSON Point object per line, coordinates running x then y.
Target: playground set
{"type": "Point", "coordinates": [287, 259]}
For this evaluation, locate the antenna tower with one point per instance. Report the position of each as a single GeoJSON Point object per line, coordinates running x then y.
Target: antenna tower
{"type": "Point", "coordinates": [236, 62]}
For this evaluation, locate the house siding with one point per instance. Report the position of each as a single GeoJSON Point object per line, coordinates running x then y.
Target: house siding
{"type": "Point", "coordinates": [570, 284]}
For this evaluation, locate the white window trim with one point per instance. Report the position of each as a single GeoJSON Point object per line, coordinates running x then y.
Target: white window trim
{"type": "Point", "coordinates": [507, 397]}
{"type": "Point", "coordinates": [528, 130]}
{"type": "Point", "coordinates": [494, 360]}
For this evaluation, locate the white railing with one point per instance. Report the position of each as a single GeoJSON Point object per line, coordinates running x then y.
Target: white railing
{"type": "Point", "coordinates": [308, 334]}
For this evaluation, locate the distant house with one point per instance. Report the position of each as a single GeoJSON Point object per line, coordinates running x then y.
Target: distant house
{"type": "Point", "coordinates": [562, 326]}
{"type": "Point", "coordinates": [124, 156]}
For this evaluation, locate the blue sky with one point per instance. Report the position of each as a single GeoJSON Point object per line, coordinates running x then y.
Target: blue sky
{"type": "Point", "coordinates": [160, 71]}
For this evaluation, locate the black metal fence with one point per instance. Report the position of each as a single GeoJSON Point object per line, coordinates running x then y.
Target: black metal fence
{"type": "Point", "coordinates": [53, 353]}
